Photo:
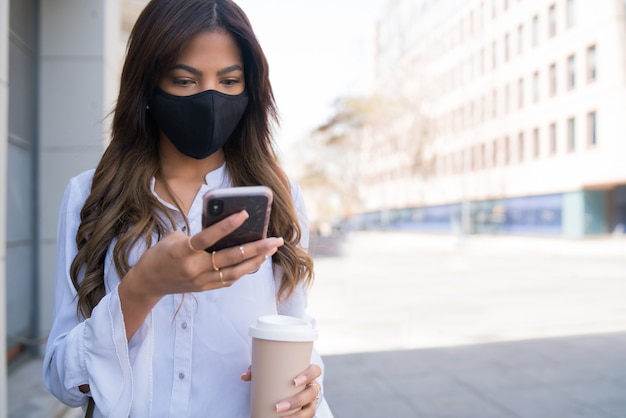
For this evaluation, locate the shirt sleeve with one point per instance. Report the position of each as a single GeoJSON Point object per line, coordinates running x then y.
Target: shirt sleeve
{"type": "Point", "coordinates": [81, 351]}
{"type": "Point", "coordinates": [297, 302]}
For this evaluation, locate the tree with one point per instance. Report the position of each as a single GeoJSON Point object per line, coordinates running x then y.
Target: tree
{"type": "Point", "coordinates": [331, 161]}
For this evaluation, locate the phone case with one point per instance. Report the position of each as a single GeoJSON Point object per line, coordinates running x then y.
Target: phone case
{"type": "Point", "coordinates": [221, 203]}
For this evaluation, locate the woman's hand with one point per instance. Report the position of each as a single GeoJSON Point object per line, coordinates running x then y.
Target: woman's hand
{"type": "Point", "coordinates": [179, 264]}
{"type": "Point", "coordinates": [307, 398]}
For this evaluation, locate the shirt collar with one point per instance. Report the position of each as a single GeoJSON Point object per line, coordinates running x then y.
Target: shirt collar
{"type": "Point", "coordinates": [214, 179]}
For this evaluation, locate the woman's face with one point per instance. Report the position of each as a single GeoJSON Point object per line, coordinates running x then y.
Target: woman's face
{"type": "Point", "coordinates": [211, 61]}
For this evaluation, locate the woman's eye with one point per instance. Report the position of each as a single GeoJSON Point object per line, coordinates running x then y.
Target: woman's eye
{"type": "Point", "coordinates": [230, 82]}
{"type": "Point", "coordinates": [182, 82]}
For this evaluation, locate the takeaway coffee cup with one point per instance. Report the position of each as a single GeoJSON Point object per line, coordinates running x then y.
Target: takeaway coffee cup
{"type": "Point", "coordinates": [281, 349]}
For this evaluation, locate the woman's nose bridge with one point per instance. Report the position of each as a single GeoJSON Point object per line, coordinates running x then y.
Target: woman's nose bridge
{"type": "Point", "coordinates": [209, 83]}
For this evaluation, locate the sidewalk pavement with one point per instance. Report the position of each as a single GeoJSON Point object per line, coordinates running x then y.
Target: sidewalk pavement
{"type": "Point", "coordinates": [433, 326]}
{"type": "Point", "coordinates": [28, 397]}
{"type": "Point", "coordinates": [545, 378]}
{"type": "Point", "coordinates": [415, 325]}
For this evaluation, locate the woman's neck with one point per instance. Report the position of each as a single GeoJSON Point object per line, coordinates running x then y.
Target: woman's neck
{"type": "Point", "coordinates": [183, 175]}
{"type": "Point", "coordinates": [179, 167]}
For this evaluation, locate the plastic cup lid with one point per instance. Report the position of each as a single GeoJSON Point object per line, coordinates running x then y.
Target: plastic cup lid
{"type": "Point", "coordinates": [282, 328]}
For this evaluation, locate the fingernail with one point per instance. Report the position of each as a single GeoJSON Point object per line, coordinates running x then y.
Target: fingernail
{"type": "Point", "coordinates": [271, 253]}
{"type": "Point", "coordinates": [245, 214]}
{"type": "Point", "coordinates": [243, 375]}
{"type": "Point", "coordinates": [274, 240]}
{"type": "Point", "coordinates": [299, 381]}
{"type": "Point", "coordinates": [282, 406]}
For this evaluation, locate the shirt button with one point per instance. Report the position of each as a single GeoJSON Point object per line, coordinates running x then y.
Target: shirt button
{"type": "Point", "coordinates": [181, 375]}
{"type": "Point", "coordinates": [184, 228]}
{"type": "Point", "coordinates": [183, 325]}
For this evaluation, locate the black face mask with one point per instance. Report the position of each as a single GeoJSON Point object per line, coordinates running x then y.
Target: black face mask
{"type": "Point", "coordinates": [200, 124]}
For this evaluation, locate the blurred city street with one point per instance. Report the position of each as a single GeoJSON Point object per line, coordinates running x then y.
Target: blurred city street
{"type": "Point", "coordinates": [418, 325]}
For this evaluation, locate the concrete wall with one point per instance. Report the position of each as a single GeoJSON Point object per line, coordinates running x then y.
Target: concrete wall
{"type": "Point", "coordinates": [75, 49]}
{"type": "Point", "coordinates": [4, 132]}
{"type": "Point", "coordinates": [79, 65]}
{"type": "Point", "coordinates": [21, 203]}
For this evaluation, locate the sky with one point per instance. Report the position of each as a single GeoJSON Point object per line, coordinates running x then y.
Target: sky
{"type": "Point", "coordinates": [318, 51]}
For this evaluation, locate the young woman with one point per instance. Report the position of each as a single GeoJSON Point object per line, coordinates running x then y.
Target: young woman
{"type": "Point", "coordinates": [145, 322]}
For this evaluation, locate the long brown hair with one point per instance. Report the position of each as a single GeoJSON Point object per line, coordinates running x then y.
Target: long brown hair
{"type": "Point", "coordinates": [121, 207]}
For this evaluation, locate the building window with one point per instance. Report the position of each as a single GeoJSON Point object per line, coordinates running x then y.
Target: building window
{"type": "Point", "coordinates": [552, 21]}
{"type": "Point", "coordinates": [520, 39]}
{"type": "Point", "coordinates": [520, 147]}
{"type": "Point", "coordinates": [571, 13]}
{"type": "Point", "coordinates": [483, 105]}
{"type": "Point", "coordinates": [462, 29]}
{"type": "Point", "coordinates": [571, 134]}
{"type": "Point", "coordinates": [507, 150]}
{"type": "Point", "coordinates": [494, 153]}
{"type": "Point", "coordinates": [494, 103]}
{"type": "Point", "coordinates": [507, 98]}
{"type": "Point", "coordinates": [536, 143]}
{"type": "Point", "coordinates": [553, 139]}
{"type": "Point", "coordinates": [592, 126]}
{"type": "Point", "coordinates": [452, 163]}
{"type": "Point", "coordinates": [493, 9]}
{"type": "Point", "coordinates": [482, 157]}
{"type": "Point", "coordinates": [520, 93]}
{"type": "Point", "coordinates": [482, 61]}
{"type": "Point", "coordinates": [482, 14]}
{"type": "Point", "coordinates": [591, 63]}
{"type": "Point", "coordinates": [536, 86]}
{"type": "Point", "coordinates": [571, 72]}
{"type": "Point", "coordinates": [506, 47]}
{"type": "Point", "coordinates": [473, 158]}
{"type": "Point", "coordinates": [552, 73]}
{"type": "Point", "coordinates": [535, 30]}
{"type": "Point", "coordinates": [493, 55]}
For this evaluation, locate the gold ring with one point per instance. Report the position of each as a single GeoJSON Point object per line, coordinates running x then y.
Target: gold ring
{"type": "Point", "coordinates": [243, 253]}
{"type": "Point", "coordinates": [318, 389]}
{"type": "Point", "coordinates": [222, 277]}
{"type": "Point", "coordinates": [213, 261]}
{"type": "Point", "coordinates": [191, 246]}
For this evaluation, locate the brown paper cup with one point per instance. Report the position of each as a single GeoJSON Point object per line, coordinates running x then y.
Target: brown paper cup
{"type": "Point", "coordinates": [281, 348]}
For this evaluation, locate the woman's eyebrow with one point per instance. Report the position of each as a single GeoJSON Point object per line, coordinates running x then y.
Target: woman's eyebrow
{"type": "Point", "coordinates": [229, 69]}
{"type": "Point", "coordinates": [187, 68]}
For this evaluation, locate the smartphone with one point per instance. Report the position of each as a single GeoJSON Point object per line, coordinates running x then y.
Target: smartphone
{"type": "Point", "coordinates": [221, 203]}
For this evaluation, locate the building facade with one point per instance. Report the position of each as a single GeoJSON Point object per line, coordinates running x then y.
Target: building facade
{"type": "Point", "coordinates": [501, 116]}
{"type": "Point", "coordinates": [59, 70]}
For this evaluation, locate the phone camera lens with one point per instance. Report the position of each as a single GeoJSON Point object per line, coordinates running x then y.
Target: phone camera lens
{"type": "Point", "coordinates": [215, 207]}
